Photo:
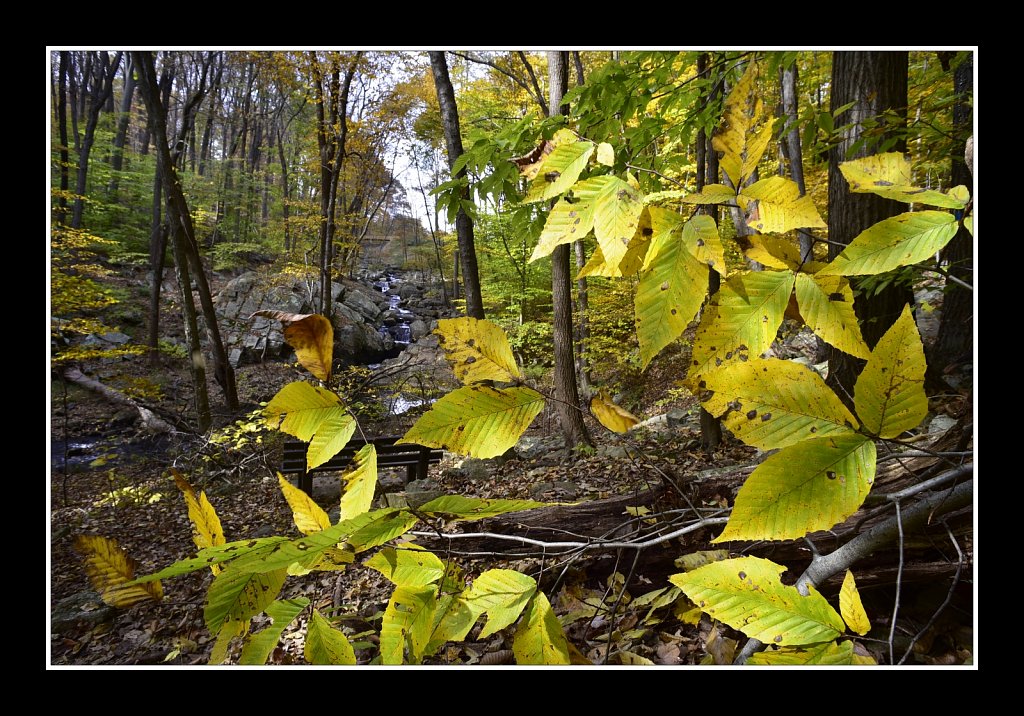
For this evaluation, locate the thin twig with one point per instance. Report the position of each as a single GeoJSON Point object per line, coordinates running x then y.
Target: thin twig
{"type": "Point", "coordinates": [946, 602]}
{"type": "Point", "coordinates": [899, 584]}
{"type": "Point", "coordinates": [949, 277]}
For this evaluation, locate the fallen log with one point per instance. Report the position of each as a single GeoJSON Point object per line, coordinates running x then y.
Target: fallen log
{"type": "Point", "coordinates": [151, 422]}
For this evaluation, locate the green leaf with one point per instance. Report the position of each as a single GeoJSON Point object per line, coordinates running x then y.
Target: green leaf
{"type": "Point", "coordinates": [889, 394]}
{"type": "Point", "coordinates": [969, 223]}
{"type": "Point", "coordinates": [326, 645]}
{"type": "Point", "coordinates": [477, 420]}
{"type": "Point", "coordinates": [566, 222]}
{"type": "Point", "coordinates": [672, 287]}
{"type": "Point", "coordinates": [228, 631]}
{"type": "Point", "coordinates": [828, 654]}
{"type": "Point", "coordinates": [851, 607]}
{"type": "Point", "coordinates": [216, 555]}
{"type": "Point", "coordinates": [502, 595]}
{"type": "Point", "coordinates": [605, 154]}
{"type": "Point", "coordinates": [812, 485]}
{"type": "Point", "coordinates": [359, 483]}
{"type": "Point", "coordinates": [889, 175]}
{"type": "Point", "coordinates": [776, 206]}
{"type": "Point", "coordinates": [897, 241]}
{"type": "Point", "coordinates": [771, 403]}
{"type": "Point", "coordinates": [407, 567]}
{"type": "Point", "coordinates": [469, 509]}
{"type": "Point", "coordinates": [238, 596]}
{"type": "Point", "coordinates": [747, 594]}
{"type": "Point", "coordinates": [309, 517]}
{"type": "Point", "coordinates": [539, 638]}
{"type": "Point", "coordinates": [258, 646]}
{"type": "Point", "coordinates": [559, 171]}
{"type": "Point", "coordinates": [408, 620]}
{"type": "Point", "coordinates": [381, 529]}
{"type": "Point", "coordinates": [306, 411]}
{"type": "Point", "coordinates": [477, 349]}
{"type": "Point", "coordinates": [452, 621]}
{"type": "Point", "coordinates": [712, 194]}
{"type": "Point", "coordinates": [826, 304]}
{"type": "Point", "coordinates": [741, 320]}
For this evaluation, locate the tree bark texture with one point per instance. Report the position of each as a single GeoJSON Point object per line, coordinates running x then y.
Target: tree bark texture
{"type": "Point", "coordinates": [102, 87]}
{"type": "Point", "coordinates": [121, 133]}
{"type": "Point", "coordinates": [463, 222]}
{"type": "Point", "coordinates": [790, 141]}
{"type": "Point", "coordinates": [566, 393]}
{"type": "Point", "coordinates": [876, 83]}
{"type": "Point", "coordinates": [954, 343]}
{"type": "Point", "coordinates": [62, 124]}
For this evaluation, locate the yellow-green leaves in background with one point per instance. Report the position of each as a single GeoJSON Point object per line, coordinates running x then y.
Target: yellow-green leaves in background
{"type": "Point", "coordinates": [477, 349]}
{"type": "Point", "coordinates": [851, 607]}
{"type": "Point", "coordinates": [326, 645]}
{"type": "Point", "coordinates": [306, 412]}
{"type": "Point", "coordinates": [747, 594]}
{"type": "Point", "coordinates": [110, 569]}
{"type": "Point", "coordinates": [539, 638]}
{"type": "Point", "coordinates": [477, 420]}
{"type": "Point", "coordinates": [826, 304]}
{"type": "Point", "coordinates": [897, 241]}
{"type": "Point", "coordinates": [890, 175]}
{"type": "Point", "coordinates": [469, 509]}
{"type": "Point", "coordinates": [812, 485]}
{"type": "Point", "coordinates": [889, 394]}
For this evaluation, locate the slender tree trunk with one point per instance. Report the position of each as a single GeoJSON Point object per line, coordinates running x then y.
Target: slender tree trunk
{"type": "Point", "coordinates": [123, 119]}
{"type": "Point", "coordinates": [62, 125]}
{"type": "Point", "coordinates": [182, 231]}
{"type": "Point", "coordinates": [790, 141]}
{"type": "Point", "coordinates": [582, 295]}
{"type": "Point", "coordinates": [102, 88]}
{"type": "Point", "coordinates": [875, 82]}
{"type": "Point", "coordinates": [566, 393]}
{"type": "Point", "coordinates": [956, 326]}
{"type": "Point", "coordinates": [707, 173]}
{"type": "Point", "coordinates": [463, 222]}
{"type": "Point", "coordinates": [157, 250]}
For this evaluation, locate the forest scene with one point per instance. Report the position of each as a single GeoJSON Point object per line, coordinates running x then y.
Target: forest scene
{"type": "Point", "coordinates": [511, 357]}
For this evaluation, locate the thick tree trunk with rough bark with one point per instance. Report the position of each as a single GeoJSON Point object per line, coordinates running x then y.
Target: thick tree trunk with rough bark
{"type": "Point", "coordinates": [463, 222]}
{"type": "Point", "coordinates": [566, 393]}
{"type": "Point", "coordinates": [955, 341]}
{"type": "Point", "coordinates": [875, 82]}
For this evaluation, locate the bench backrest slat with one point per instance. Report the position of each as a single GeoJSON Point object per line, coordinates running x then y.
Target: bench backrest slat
{"type": "Point", "coordinates": [415, 457]}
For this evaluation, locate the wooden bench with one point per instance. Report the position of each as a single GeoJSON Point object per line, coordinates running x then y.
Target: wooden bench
{"type": "Point", "coordinates": [416, 458]}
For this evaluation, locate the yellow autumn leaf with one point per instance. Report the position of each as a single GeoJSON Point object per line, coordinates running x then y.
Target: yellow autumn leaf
{"type": "Point", "coordinates": [110, 569]}
{"type": "Point", "coordinates": [851, 607]}
{"type": "Point", "coordinates": [206, 527]}
{"type": "Point", "coordinates": [309, 517]}
{"type": "Point", "coordinates": [477, 349]}
{"type": "Point", "coordinates": [611, 415]}
{"type": "Point", "coordinates": [312, 337]}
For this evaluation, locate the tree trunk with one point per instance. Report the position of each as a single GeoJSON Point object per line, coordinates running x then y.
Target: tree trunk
{"type": "Point", "coordinates": [102, 87]}
{"type": "Point", "coordinates": [62, 122]}
{"type": "Point", "coordinates": [123, 118]}
{"type": "Point", "coordinates": [157, 251]}
{"type": "Point", "coordinates": [707, 173]}
{"type": "Point", "coordinates": [566, 393]}
{"type": "Point", "coordinates": [954, 343]}
{"type": "Point", "coordinates": [790, 142]}
{"type": "Point", "coordinates": [181, 229]}
{"type": "Point", "coordinates": [582, 295]}
{"type": "Point", "coordinates": [875, 82]}
{"type": "Point", "coordinates": [463, 222]}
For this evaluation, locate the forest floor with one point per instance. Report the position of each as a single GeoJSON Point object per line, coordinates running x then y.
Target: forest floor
{"type": "Point", "coordinates": [116, 483]}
